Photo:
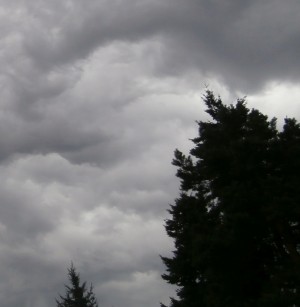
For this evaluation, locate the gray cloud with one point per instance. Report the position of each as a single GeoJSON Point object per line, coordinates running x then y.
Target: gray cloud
{"type": "Point", "coordinates": [53, 212]}
{"type": "Point", "coordinates": [244, 44]}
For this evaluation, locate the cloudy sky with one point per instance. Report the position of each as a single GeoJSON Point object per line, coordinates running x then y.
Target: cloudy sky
{"type": "Point", "coordinates": [95, 97]}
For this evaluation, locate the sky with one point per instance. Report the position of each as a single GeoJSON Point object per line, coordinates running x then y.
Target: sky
{"type": "Point", "coordinates": [95, 97]}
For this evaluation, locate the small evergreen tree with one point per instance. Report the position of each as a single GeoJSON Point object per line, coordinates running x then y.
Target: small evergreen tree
{"type": "Point", "coordinates": [77, 295]}
{"type": "Point", "coordinates": [236, 222]}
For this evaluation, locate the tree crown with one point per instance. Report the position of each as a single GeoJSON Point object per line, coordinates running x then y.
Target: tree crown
{"type": "Point", "coordinates": [77, 294]}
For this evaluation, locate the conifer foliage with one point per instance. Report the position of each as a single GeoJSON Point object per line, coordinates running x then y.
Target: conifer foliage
{"type": "Point", "coordinates": [236, 222]}
{"type": "Point", "coordinates": [77, 295]}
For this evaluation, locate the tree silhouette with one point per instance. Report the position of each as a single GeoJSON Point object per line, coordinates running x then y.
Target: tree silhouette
{"type": "Point", "coordinates": [236, 222]}
{"type": "Point", "coordinates": [77, 295]}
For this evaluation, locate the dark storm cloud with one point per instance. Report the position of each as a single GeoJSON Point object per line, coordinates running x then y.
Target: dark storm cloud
{"type": "Point", "coordinates": [244, 43]}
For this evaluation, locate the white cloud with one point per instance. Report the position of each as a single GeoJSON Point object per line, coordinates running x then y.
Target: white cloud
{"type": "Point", "coordinates": [278, 100]}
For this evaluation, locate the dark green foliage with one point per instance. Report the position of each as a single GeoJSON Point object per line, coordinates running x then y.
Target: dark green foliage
{"type": "Point", "coordinates": [236, 223]}
{"type": "Point", "coordinates": [77, 295]}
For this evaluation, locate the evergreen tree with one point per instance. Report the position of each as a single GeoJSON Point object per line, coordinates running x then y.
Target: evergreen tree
{"type": "Point", "coordinates": [77, 295]}
{"type": "Point", "coordinates": [236, 222]}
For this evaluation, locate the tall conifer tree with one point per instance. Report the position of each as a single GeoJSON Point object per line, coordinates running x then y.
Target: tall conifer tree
{"type": "Point", "coordinates": [77, 294]}
{"type": "Point", "coordinates": [236, 222]}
